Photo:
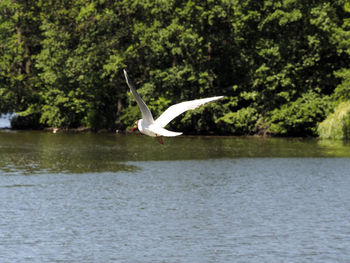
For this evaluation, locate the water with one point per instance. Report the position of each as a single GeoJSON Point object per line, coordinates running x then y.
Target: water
{"type": "Point", "coordinates": [5, 120]}
{"type": "Point", "coordinates": [112, 198]}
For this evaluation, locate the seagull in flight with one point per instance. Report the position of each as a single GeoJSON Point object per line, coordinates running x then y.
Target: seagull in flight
{"type": "Point", "coordinates": [155, 128]}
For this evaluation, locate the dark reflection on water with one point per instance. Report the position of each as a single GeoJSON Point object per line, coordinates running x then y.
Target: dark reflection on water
{"type": "Point", "coordinates": [41, 152]}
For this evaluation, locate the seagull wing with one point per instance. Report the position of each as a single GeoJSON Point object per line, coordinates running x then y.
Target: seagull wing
{"type": "Point", "coordinates": [163, 132]}
{"type": "Point", "coordinates": [175, 110]}
{"type": "Point", "coordinates": [146, 113]}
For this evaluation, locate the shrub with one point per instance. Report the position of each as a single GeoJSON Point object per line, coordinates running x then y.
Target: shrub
{"type": "Point", "coordinates": [300, 117]}
{"type": "Point", "coordinates": [241, 122]}
{"type": "Point", "coordinates": [337, 124]}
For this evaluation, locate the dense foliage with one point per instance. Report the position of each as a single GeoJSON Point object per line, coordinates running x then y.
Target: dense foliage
{"type": "Point", "coordinates": [282, 65]}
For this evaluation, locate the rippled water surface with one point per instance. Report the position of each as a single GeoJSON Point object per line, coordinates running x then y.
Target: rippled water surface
{"type": "Point", "coordinates": [114, 198]}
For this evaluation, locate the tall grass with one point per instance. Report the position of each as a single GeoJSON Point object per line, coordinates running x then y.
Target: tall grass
{"type": "Point", "coordinates": [337, 125]}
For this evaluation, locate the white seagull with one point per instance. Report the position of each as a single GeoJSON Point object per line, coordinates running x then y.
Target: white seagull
{"type": "Point", "coordinates": [155, 128]}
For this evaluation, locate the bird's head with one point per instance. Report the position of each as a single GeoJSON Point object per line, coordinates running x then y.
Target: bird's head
{"type": "Point", "coordinates": [135, 126]}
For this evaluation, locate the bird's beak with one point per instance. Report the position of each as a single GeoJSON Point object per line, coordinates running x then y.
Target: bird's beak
{"type": "Point", "coordinates": [133, 128]}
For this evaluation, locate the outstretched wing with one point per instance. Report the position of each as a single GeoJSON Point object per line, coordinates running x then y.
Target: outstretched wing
{"type": "Point", "coordinates": [146, 113]}
{"type": "Point", "coordinates": [175, 110]}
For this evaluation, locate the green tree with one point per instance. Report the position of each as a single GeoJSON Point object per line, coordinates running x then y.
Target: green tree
{"type": "Point", "coordinates": [337, 124]}
{"type": "Point", "coordinates": [341, 36]}
{"type": "Point", "coordinates": [19, 43]}
{"type": "Point", "coordinates": [278, 63]}
{"type": "Point", "coordinates": [77, 55]}
{"type": "Point", "coordinates": [291, 54]}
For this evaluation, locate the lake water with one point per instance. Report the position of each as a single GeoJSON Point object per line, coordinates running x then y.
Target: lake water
{"type": "Point", "coordinates": [116, 198]}
{"type": "Point", "coordinates": [5, 120]}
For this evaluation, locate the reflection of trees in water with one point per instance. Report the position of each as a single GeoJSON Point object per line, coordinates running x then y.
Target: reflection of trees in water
{"type": "Point", "coordinates": [40, 152]}
{"type": "Point", "coordinates": [31, 152]}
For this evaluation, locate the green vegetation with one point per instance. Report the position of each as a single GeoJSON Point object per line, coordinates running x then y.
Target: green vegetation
{"type": "Point", "coordinates": [337, 125]}
{"type": "Point", "coordinates": [282, 65]}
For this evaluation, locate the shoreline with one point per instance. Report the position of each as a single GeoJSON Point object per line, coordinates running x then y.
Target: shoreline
{"type": "Point", "coordinates": [125, 132]}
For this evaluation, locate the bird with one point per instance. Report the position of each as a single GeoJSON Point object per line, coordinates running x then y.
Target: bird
{"type": "Point", "coordinates": [155, 128]}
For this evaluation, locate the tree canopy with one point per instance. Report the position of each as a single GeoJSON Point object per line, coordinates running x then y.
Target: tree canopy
{"type": "Point", "coordinates": [283, 66]}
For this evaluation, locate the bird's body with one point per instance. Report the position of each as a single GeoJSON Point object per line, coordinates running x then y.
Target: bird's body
{"type": "Point", "coordinates": [155, 128]}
